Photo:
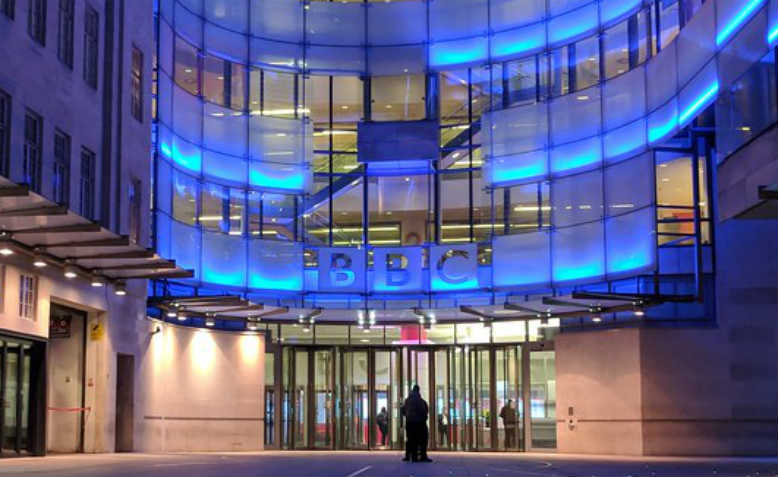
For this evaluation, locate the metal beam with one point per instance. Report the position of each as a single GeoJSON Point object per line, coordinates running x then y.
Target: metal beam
{"type": "Point", "coordinates": [525, 309]}
{"type": "Point", "coordinates": [61, 229]}
{"type": "Point", "coordinates": [140, 266]}
{"type": "Point", "coordinates": [173, 274]}
{"type": "Point", "coordinates": [40, 211]}
{"type": "Point", "coordinates": [19, 190]}
{"type": "Point", "coordinates": [109, 242]}
{"type": "Point", "coordinates": [117, 255]}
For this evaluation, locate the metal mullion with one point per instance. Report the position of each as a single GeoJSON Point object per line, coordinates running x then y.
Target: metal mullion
{"type": "Point", "coordinates": [3, 378]}
{"type": "Point", "coordinates": [526, 397]}
{"type": "Point", "coordinates": [493, 395]}
{"type": "Point", "coordinates": [470, 150]}
{"type": "Point", "coordinates": [19, 386]}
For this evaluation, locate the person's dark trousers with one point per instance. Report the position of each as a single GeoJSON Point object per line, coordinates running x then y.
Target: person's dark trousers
{"type": "Point", "coordinates": [444, 435]}
{"type": "Point", "coordinates": [423, 441]}
{"type": "Point", "coordinates": [411, 441]}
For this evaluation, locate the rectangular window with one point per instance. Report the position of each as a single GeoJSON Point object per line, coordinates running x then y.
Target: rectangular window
{"type": "Point", "coordinates": [87, 192]}
{"type": "Point", "coordinates": [5, 132]}
{"type": "Point", "coordinates": [61, 168]}
{"type": "Point", "coordinates": [135, 209]}
{"type": "Point", "coordinates": [7, 8]}
{"type": "Point", "coordinates": [31, 162]}
{"type": "Point", "coordinates": [136, 99]}
{"type": "Point", "coordinates": [91, 38]}
{"type": "Point", "coordinates": [65, 37]}
{"type": "Point", "coordinates": [27, 293]}
{"type": "Point", "coordinates": [36, 21]}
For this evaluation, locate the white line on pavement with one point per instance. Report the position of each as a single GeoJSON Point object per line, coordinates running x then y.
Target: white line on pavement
{"type": "Point", "coordinates": [354, 474]}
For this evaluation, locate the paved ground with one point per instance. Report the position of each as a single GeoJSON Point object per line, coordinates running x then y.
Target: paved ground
{"type": "Point", "coordinates": [376, 464]}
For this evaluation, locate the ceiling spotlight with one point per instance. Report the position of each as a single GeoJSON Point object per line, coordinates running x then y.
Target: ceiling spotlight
{"type": "Point", "coordinates": [171, 313]}
{"type": "Point", "coordinates": [38, 261]}
{"type": "Point", "coordinates": [5, 247]}
{"type": "Point", "coordinates": [210, 322]}
{"type": "Point", "coordinates": [639, 312]}
{"type": "Point", "coordinates": [98, 282]}
{"type": "Point", "coordinates": [251, 326]}
{"type": "Point", "coordinates": [306, 329]}
{"type": "Point", "coordinates": [596, 319]}
{"type": "Point", "coordinates": [120, 288]}
{"type": "Point", "coordinates": [69, 271]}
{"type": "Point", "coordinates": [181, 316]}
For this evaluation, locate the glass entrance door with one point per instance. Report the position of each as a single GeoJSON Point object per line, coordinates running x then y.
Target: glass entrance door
{"type": "Point", "coordinates": [14, 396]}
{"type": "Point", "coordinates": [542, 396]}
{"type": "Point", "coordinates": [509, 405]}
{"type": "Point", "coordinates": [483, 419]}
{"type": "Point", "coordinates": [356, 409]}
{"type": "Point", "coordinates": [323, 399]}
{"type": "Point", "coordinates": [387, 399]}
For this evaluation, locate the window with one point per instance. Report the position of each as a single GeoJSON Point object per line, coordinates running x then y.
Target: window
{"type": "Point", "coordinates": [7, 8]}
{"type": "Point", "coordinates": [61, 166]}
{"type": "Point", "coordinates": [134, 200]}
{"type": "Point", "coordinates": [65, 37]}
{"type": "Point", "coordinates": [5, 132]}
{"type": "Point", "coordinates": [27, 291]}
{"type": "Point", "coordinates": [90, 46]}
{"type": "Point", "coordinates": [136, 105]}
{"type": "Point", "coordinates": [184, 198]}
{"type": "Point", "coordinates": [398, 98]}
{"type": "Point", "coordinates": [616, 46]}
{"type": "Point", "coordinates": [224, 83]}
{"type": "Point", "coordinates": [587, 63]}
{"type": "Point", "coordinates": [186, 67]}
{"type": "Point", "coordinates": [87, 192]}
{"type": "Point", "coordinates": [36, 21]}
{"type": "Point", "coordinates": [31, 162]}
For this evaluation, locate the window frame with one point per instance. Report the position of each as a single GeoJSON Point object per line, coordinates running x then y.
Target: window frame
{"type": "Point", "coordinates": [65, 36]}
{"type": "Point", "coordinates": [87, 190]}
{"type": "Point", "coordinates": [91, 46]}
{"type": "Point", "coordinates": [136, 84]}
{"type": "Point", "coordinates": [36, 21]}
{"type": "Point", "coordinates": [8, 8]}
{"type": "Point", "coordinates": [61, 168]}
{"type": "Point", "coordinates": [5, 132]}
{"type": "Point", "coordinates": [32, 159]}
{"type": "Point", "coordinates": [28, 297]}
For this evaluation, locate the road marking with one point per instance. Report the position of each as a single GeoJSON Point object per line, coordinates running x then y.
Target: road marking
{"type": "Point", "coordinates": [354, 474]}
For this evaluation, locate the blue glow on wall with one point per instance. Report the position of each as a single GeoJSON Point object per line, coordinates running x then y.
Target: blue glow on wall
{"type": "Point", "coordinates": [519, 41]}
{"type": "Point", "coordinates": [739, 18]}
{"type": "Point", "coordinates": [291, 284]}
{"type": "Point", "coordinates": [458, 52]}
{"type": "Point", "coordinates": [506, 173]}
{"type": "Point", "coordinates": [572, 24]}
{"type": "Point", "coordinates": [576, 155]}
{"type": "Point", "coordinates": [659, 132]}
{"type": "Point", "coordinates": [562, 274]}
{"type": "Point", "coordinates": [703, 100]}
{"type": "Point", "coordinates": [286, 180]}
{"type": "Point", "coordinates": [630, 241]}
{"type": "Point", "coordinates": [229, 279]}
{"type": "Point", "coordinates": [625, 140]}
{"type": "Point", "coordinates": [193, 162]}
{"type": "Point", "coordinates": [439, 285]}
{"type": "Point", "coordinates": [773, 35]}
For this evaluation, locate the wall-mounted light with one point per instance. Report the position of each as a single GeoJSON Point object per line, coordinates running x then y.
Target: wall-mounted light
{"type": "Point", "coordinates": [5, 243]}
{"type": "Point", "coordinates": [69, 271]}
{"type": "Point", "coordinates": [38, 261]}
{"type": "Point", "coordinates": [120, 288]}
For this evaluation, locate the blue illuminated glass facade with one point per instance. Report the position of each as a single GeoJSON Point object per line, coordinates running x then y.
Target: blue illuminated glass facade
{"type": "Point", "coordinates": [548, 114]}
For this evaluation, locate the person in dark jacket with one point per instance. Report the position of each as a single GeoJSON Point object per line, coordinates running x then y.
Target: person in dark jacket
{"type": "Point", "coordinates": [416, 412]}
{"type": "Point", "coordinates": [382, 420]}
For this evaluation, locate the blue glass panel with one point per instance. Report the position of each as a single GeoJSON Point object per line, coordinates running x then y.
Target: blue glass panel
{"type": "Point", "coordinates": [573, 24]}
{"type": "Point", "coordinates": [274, 53]}
{"type": "Point", "coordinates": [578, 253]}
{"type": "Point", "coordinates": [626, 140]}
{"type": "Point", "coordinates": [624, 99]}
{"type": "Point", "coordinates": [453, 267]}
{"type": "Point", "coordinates": [185, 246]}
{"type": "Point", "coordinates": [342, 269]}
{"type": "Point", "coordinates": [519, 167]}
{"type": "Point", "coordinates": [162, 234]}
{"type": "Point", "coordinates": [224, 259]}
{"type": "Point", "coordinates": [275, 265]}
{"type": "Point", "coordinates": [335, 59]}
{"type": "Point", "coordinates": [772, 23]}
{"type": "Point", "coordinates": [278, 20]}
{"type": "Point", "coordinates": [450, 19]}
{"type": "Point", "coordinates": [663, 66]}
{"type": "Point", "coordinates": [335, 23]}
{"type": "Point", "coordinates": [383, 19]}
{"type": "Point", "coordinates": [187, 115]}
{"type": "Point", "coordinates": [164, 188]}
{"type": "Point", "coordinates": [530, 250]}
{"type": "Point", "coordinates": [183, 153]}
{"type": "Point", "coordinates": [611, 10]}
{"type": "Point", "coordinates": [227, 168]}
{"type": "Point", "coordinates": [188, 26]}
{"type": "Point", "coordinates": [698, 94]}
{"type": "Point", "coordinates": [695, 43]}
{"type": "Point", "coordinates": [629, 185]}
{"type": "Point", "coordinates": [224, 130]}
{"type": "Point", "coordinates": [631, 241]}
{"type": "Point", "coordinates": [388, 60]}
{"type": "Point", "coordinates": [732, 14]}
{"type": "Point", "coordinates": [516, 130]}
{"type": "Point", "coordinates": [397, 269]}
{"type": "Point", "coordinates": [663, 122]}
{"type": "Point", "coordinates": [506, 14]}
{"type": "Point", "coordinates": [521, 41]}
{"type": "Point", "coordinates": [458, 52]}
{"type": "Point", "coordinates": [576, 155]}
{"type": "Point", "coordinates": [576, 199]}
{"type": "Point", "coordinates": [567, 112]}
{"type": "Point", "coordinates": [226, 43]}
{"type": "Point", "coordinates": [274, 176]}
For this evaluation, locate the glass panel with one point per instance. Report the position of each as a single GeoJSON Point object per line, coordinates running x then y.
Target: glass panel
{"type": "Point", "coordinates": [442, 399]}
{"type": "Point", "coordinates": [270, 402]}
{"type": "Point", "coordinates": [483, 417]}
{"type": "Point", "coordinates": [398, 98]}
{"type": "Point", "coordinates": [324, 424]}
{"type": "Point", "coordinates": [543, 399]}
{"type": "Point", "coordinates": [508, 389]}
{"type": "Point", "coordinates": [398, 209]}
{"type": "Point", "coordinates": [616, 54]}
{"type": "Point", "coordinates": [384, 400]}
{"type": "Point", "coordinates": [587, 63]}
{"type": "Point", "coordinates": [355, 400]}
{"type": "Point", "coordinates": [186, 68]}
{"type": "Point", "coordinates": [300, 399]}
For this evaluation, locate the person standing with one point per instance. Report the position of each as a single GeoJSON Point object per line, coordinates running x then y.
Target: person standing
{"type": "Point", "coordinates": [382, 421]}
{"type": "Point", "coordinates": [443, 426]}
{"type": "Point", "coordinates": [508, 415]}
{"type": "Point", "coordinates": [416, 412]}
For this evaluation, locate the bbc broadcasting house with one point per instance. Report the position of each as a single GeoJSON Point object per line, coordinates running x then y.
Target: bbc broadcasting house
{"type": "Point", "coordinates": [236, 225]}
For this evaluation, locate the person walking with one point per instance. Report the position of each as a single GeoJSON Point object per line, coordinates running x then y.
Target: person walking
{"type": "Point", "coordinates": [416, 412]}
{"type": "Point", "coordinates": [382, 421]}
{"type": "Point", "coordinates": [508, 416]}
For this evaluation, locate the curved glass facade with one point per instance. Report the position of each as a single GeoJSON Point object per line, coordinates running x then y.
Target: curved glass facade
{"type": "Point", "coordinates": [544, 120]}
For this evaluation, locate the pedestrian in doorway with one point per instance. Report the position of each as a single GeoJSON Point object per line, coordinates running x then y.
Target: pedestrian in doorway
{"type": "Point", "coordinates": [416, 412]}
{"type": "Point", "coordinates": [382, 421]}
{"type": "Point", "coordinates": [508, 416]}
{"type": "Point", "coordinates": [443, 427]}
